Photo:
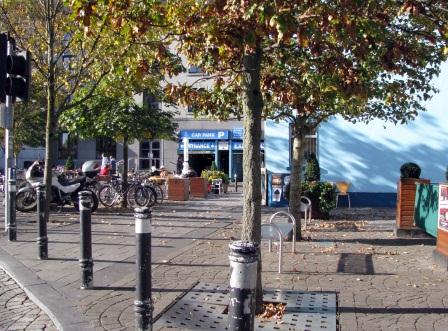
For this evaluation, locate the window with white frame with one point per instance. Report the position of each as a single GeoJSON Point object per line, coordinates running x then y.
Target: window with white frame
{"type": "Point", "coordinates": [150, 154]}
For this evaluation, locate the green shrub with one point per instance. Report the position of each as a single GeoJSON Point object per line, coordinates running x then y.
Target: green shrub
{"type": "Point", "coordinates": [215, 174]}
{"type": "Point", "coordinates": [410, 170]}
{"type": "Point", "coordinates": [69, 165]}
{"type": "Point", "coordinates": [323, 192]}
{"type": "Point", "coordinates": [213, 167]}
{"type": "Point", "coordinates": [312, 170]}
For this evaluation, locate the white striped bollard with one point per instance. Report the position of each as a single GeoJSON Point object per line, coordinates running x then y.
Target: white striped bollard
{"type": "Point", "coordinates": [243, 280]}
{"type": "Point", "coordinates": [143, 307]}
{"type": "Point", "coordinates": [85, 221]}
{"type": "Point", "coordinates": [42, 239]}
{"type": "Point", "coordinates": [11, 222]}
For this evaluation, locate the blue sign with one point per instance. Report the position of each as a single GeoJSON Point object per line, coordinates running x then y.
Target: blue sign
{"type": "Point", "coordinates": [204, 134]}
{"type": "Point", "coordinates": [199, 146]}
{"type": "Point", "coordinates": [238, 145]}
{"type": "Point", "coordinates": [237, 133]}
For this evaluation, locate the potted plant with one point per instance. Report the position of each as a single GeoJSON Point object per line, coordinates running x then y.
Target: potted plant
{"type": "Point", "coordinates": [406, 188]}
{"type": "Point", "coordinates": [216, 174]}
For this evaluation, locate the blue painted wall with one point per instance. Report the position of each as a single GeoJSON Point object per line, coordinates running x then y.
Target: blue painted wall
{"type": "Point", "coordinates": [276, 146]}
{"type": "Point", "coordinates": [370, 156]}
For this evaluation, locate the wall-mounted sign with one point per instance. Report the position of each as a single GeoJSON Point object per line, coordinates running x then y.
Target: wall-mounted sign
{"type": "Point", "coordinates": [238, 145]}
{"type": "Point", "coordinates": [223, 145]}
{"type": "Point", "coordinates": [237, 133]}
{"type": "Point", "coordinates": [199, 146]}
{"type": "Point", "coordinates": [204, 134]}
{"type": "Point", "coordinates": [443, 208]}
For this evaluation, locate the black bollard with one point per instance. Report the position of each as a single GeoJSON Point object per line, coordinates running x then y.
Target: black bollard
{"type": "Point", "coordinates": [42, 240]}
{"type": "Point", "coordinates": [11, 222]}
{"type": "Point", "coordinates": [243, 280]}
{"type": "Point", "coordinates": [143, 302]}
{"type": "Point", "coordinates": [236, 183]}
{"type": "Point", "coordinates": [85, 221]}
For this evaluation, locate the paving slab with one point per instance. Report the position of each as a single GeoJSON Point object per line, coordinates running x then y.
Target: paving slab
{"type": "Point", "coordinates": [382, 283]}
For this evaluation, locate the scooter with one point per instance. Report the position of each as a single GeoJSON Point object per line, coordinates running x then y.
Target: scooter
{"type": "Point", "coordinates": [63, 191]}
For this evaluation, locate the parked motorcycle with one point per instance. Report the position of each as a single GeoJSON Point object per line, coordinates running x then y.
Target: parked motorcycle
{"type": "Point", "coordinates": [63, 191]}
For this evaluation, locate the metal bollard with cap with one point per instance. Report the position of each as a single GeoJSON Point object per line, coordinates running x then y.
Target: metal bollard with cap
{"type": "Point", "coordinates": [11, 222]}
{"type": "Point", "coordinates": [236, 182]}
{"type": "Point", "coordinates": [85, 221]}
{"type": "Point", "coordinates": [42, 239]}
{"type": "Point", "coordinates": [143, 306]}
{"type": "Point", "coordinates": [243, 281]}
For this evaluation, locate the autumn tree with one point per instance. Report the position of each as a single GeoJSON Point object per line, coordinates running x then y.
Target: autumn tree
{"type": "Point", "coordinates": [121, 119]}
{"type": "Point", "coordinates": [380, 67]}
{"type": "Point", "coordinates": [73, 51]}
{"type": "Point", "coordinates": [302, 59]}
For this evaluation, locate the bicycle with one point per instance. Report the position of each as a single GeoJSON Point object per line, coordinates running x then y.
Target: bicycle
{"type": "Point", "coordinates": [115, 192]}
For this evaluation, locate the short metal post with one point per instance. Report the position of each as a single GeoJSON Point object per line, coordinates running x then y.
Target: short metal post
{"type": "Point", "coordinates": [11, 223]}
{"type": "Point", "coordinates": [143, 306]}
{"type": "Point", "coordinates": [85, 220]}
{"type": "Point", "coordinates": [236, 183]}
{"type": "Point", "coordinates": [42, 239]}
{"type": "Point", "coordinates": [243, 280]}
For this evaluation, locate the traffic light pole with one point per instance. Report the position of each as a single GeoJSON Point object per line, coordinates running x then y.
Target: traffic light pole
{"type": "Point", "coordinates": [9, 135]}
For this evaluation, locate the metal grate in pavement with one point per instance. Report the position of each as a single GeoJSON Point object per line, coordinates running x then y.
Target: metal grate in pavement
{"type": "Point", "coordinates": [205, 308]}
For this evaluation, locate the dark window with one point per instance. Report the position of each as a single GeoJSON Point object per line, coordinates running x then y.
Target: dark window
{"type": "Point", "coordinates": [107, 146]}
{"type": "Point", "coordinates": [67, 146]}
{"type": "Point", "coordinates": [310, 145]}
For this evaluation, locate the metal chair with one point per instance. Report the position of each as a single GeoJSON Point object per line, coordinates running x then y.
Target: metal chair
{"type": "Point", "coordinates": [343, 188]}
{"type": "Point", "coordinates": [305, 207]}
{"type": "Point", "coordinates": [272, 231]}
{"type": "Point", "coordinates": [217, 186]}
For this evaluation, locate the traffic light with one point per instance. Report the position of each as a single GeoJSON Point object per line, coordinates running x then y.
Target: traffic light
{"type": "Point", "coordinates": [18, 66]}
{"type": "Point", "coordinates": [3, 55]}
{"type": "Point", "coordinates": [15, 71]}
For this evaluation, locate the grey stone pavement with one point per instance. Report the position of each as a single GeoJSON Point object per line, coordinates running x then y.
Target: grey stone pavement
{"type": "Point", "coordinates": [382, 283]}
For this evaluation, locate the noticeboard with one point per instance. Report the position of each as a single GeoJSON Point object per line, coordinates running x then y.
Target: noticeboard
{"type": "Point", "coordinates": [443, 208]}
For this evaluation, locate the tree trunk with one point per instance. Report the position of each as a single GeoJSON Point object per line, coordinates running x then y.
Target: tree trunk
{"type": "Point", "coordinates": [50, 129]}
{"type": "Point", "coordinates": [125, 167]}
{"type": "Point", "coordinates": [253, 105]}
{"type": "Point", "coordinates": [295, 185]}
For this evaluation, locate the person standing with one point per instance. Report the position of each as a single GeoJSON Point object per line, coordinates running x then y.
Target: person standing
{"type": "Point", "coordinates": [104, 171]}
{"type": "Point", "coordinates": [113, 165]}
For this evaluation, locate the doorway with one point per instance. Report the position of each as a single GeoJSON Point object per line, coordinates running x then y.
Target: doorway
{"type": "Point", "coordinates": [224, 161]}
{"type": "Point", "coordinates": [200, 162]}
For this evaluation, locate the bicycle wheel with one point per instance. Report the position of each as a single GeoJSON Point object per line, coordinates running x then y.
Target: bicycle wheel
{"type": "Point", "coordinates": [152, 196]}
{"type": "Point", "coordinates": [26, 200]}
{"type": "Point", "coordinates": [159, 193]}
{"type": "Point", "coordinates": [137, 196]}
{"type": "Point", "coordinates": [107, 195]}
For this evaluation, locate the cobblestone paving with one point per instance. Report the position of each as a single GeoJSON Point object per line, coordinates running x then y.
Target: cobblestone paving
{"type": "Point", "coordinates": [383, 283]}
{"type": "Point", "coordinates": [17, 311]}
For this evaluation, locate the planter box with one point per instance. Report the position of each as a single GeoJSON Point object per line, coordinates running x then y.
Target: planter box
{"type": "Point", "coordinates": [405, 204]}
{"type": "Point", "coordinates": [198, 187]}
{"type": "Point", "coordinates": [178, 189]}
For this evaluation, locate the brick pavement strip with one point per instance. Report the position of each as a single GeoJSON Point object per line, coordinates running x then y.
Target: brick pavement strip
{"type": "Point", "coordinates": [383, 283]}
{"type": "Point", "coordinates": [17, 311]}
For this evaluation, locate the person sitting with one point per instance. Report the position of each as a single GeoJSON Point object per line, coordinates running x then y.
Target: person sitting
{"type": "Point", "coordinates": [163, 172]}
